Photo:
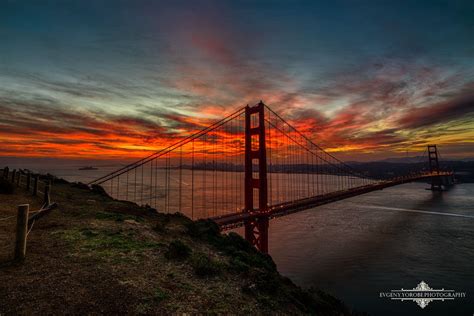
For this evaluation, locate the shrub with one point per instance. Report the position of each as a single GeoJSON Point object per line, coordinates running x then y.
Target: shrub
{"type": "Point", "coordinates": [232, 243]}
{"type": "Point", "coordinates": [205, 266]}
{"type": "Point", "coordinates": [266, 282]}
{"type": "Point", "coordinates": [99, 190]}
{"type": "Point", "coordinates": [61, 181]}
{"type": "Point", "coordinates": [116, 217]}
{"type": "Point", "coordinates": [238, 265]}
{"type": "Point", "coordinates": [240, 249]}
{"type": "Point", "coordinates": [203, 229]}
{"type": "Point", "coordinates": [81, 186]}
{"type": "Point", "coordinates": [161, 222]}
{"type": "Point", "coordinates": [6, 187]}
{"type": "Point", "coordinates": [160, 227]}
{"type": "Point", "coordinates": [177, 250]}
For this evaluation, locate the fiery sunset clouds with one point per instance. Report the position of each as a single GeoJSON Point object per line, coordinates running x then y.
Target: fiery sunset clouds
{"type": "Point", "coordinates": [118, 79]}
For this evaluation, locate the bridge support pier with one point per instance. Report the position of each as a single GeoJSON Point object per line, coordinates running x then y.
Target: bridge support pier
{"type": "Point", "coordinates": [256, 232]}
{"type": "Point", "coordinates": [256, 192]}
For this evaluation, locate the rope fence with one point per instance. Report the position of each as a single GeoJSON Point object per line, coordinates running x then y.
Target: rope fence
{"type": "Point", "coordinates": [25, 179]}
{"type": "Point", "coordinates": [6, 218]}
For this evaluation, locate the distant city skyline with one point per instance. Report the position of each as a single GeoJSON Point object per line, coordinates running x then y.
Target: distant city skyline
{"type": "Point", "coordinates": [367, 80]}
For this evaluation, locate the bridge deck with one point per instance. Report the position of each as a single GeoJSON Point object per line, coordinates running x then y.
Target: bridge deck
{"type": "Point", "coordinates": [234, 220]}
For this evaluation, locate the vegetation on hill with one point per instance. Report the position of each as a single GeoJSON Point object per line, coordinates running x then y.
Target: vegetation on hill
{"type": "Point", "coordinates": [97, 255]}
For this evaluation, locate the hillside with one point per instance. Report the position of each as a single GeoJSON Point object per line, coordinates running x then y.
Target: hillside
{"type": "Point", "coordinates": [97, 255]}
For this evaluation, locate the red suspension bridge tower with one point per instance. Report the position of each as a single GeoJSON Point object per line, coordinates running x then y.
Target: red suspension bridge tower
{"type": "Point", "coordinates": [256, 189]}
{"type": "Point", "coordinates": [436, 182]}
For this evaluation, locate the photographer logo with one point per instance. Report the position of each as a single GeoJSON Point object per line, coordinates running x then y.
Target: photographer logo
{"type": "Point", "coordinates": [422, 294]}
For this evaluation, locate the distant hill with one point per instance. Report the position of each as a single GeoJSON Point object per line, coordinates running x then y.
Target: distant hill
{"type": "Point", "coordinates": [384, 169]}
{"type": "Point", "coordinates": [415, 159]}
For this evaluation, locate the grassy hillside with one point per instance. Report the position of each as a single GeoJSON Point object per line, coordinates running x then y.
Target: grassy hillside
{"type": "Point", "coordinates": [97, 255]}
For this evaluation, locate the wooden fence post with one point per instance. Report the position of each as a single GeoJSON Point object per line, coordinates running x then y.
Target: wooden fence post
{"type": "Point", "coordinates": [21, 232]}
{"type": "Point", "coordinates": [28, 181]}
{"type": "Point", "coordinates": [35, 185]}
{"type": "Point", "coordinates": [13, 176]}
{"type": "Point", "coordinates": [47, 189]}
{"type": "Point", "coordinates": [18, 181]}
{"type": "Point", "coordinates": [6, 172]}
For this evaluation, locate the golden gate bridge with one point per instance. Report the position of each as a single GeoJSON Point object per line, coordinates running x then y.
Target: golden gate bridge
{"type": "Point", "coordinates": [248, 168]}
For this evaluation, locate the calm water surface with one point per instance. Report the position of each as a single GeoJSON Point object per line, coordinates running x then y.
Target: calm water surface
{"type": "Point", "coordinates": [381, 241]}
{"type": "Point", "coordinates": [357, 248]}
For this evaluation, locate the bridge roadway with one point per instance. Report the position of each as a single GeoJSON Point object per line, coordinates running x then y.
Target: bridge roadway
{"type": "Point", "coordinates": [235, 220]}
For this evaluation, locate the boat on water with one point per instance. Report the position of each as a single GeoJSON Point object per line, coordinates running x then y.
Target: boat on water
{"type": "Point", "coordinates": [88, 168]}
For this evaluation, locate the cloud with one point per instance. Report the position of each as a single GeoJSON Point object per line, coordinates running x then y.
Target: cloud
{"type": "Point", "coordinates": [40, 128]}
{"type": "Point", "coordinates": [441, 112]}
{"type": "Point", "coordinates": [206, 67]}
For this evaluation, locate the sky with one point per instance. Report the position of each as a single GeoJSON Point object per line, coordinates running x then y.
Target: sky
{"type": "Point", "coordinates": [121, 79]}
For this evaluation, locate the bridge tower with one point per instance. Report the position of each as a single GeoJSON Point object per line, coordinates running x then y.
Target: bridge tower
{"type": "Point", "coordinates": [256, 190]}
{"type": "Point", "coordinates": [434, 167]}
